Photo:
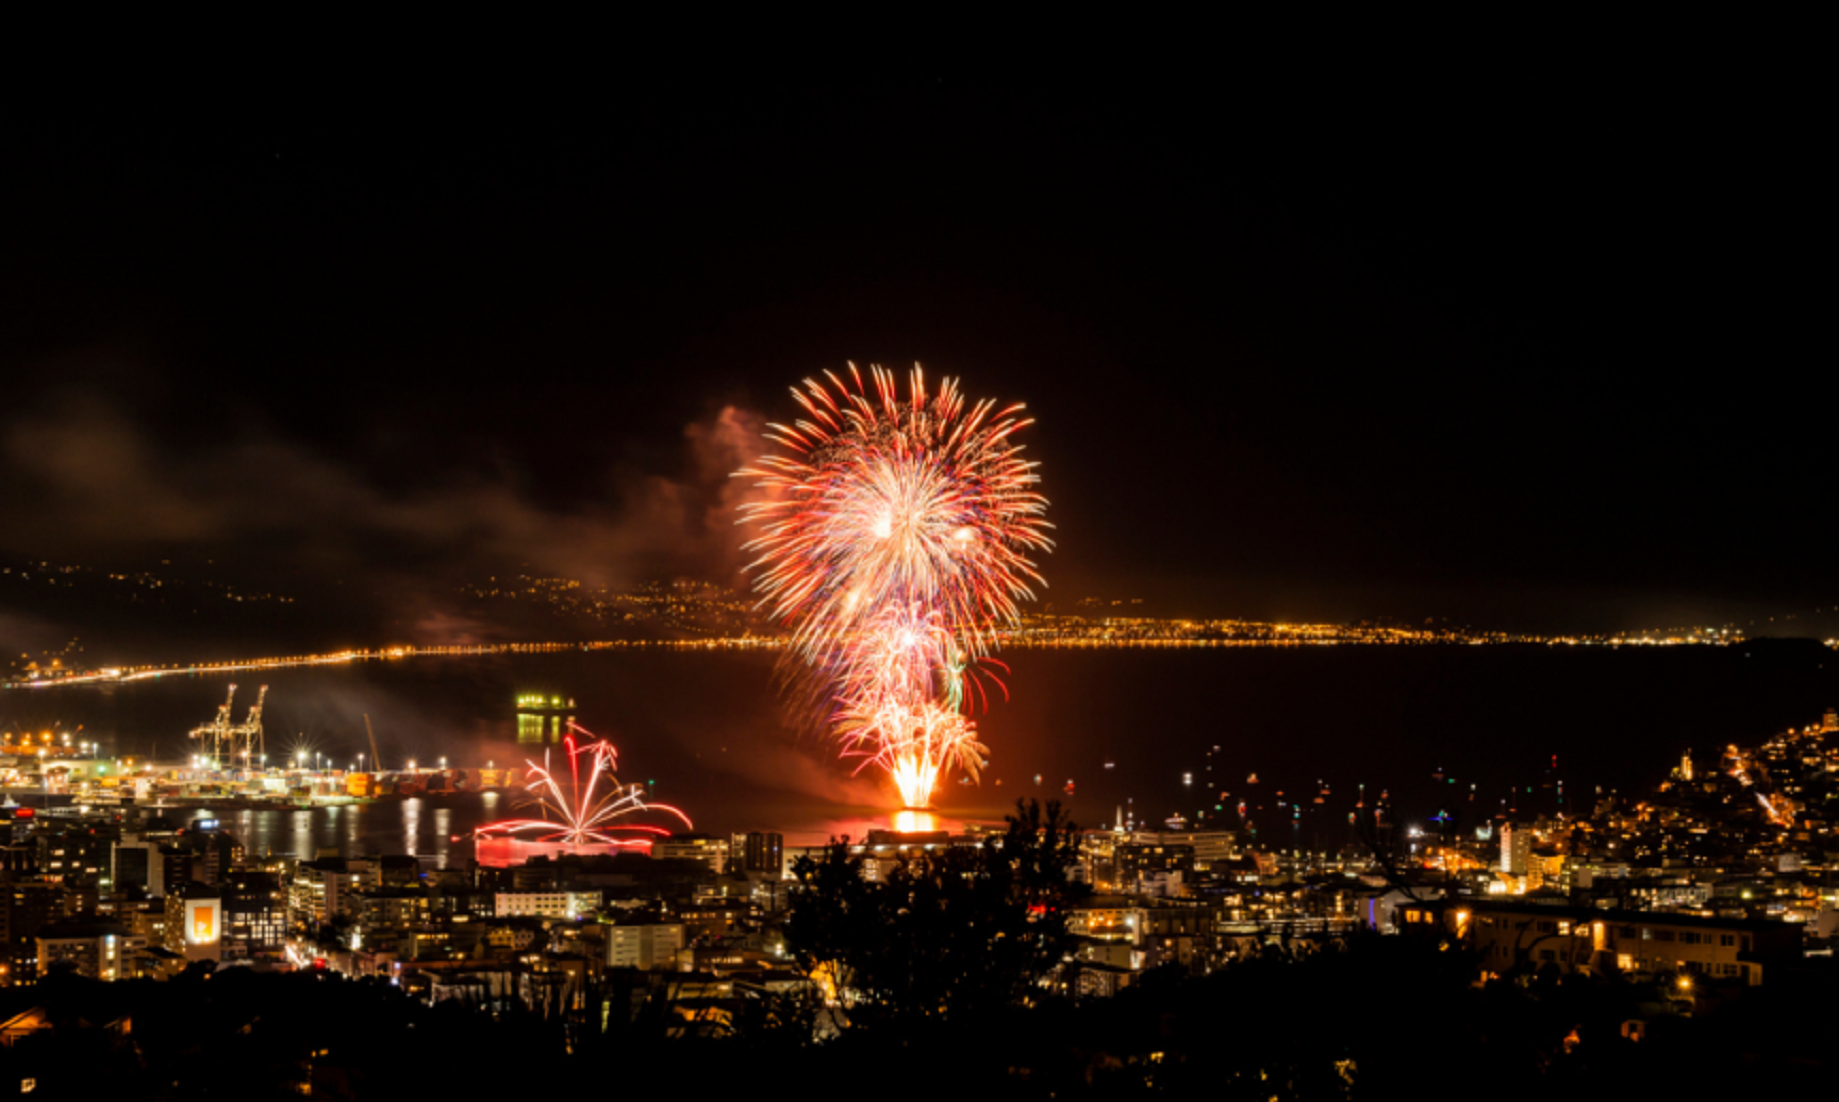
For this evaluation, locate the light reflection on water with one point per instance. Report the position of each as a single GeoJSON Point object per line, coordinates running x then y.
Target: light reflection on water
{"type": "Point", "coordinates": [412, 826]}
{"type": "Point", "coordinates": [442, 831]}
{"type": "Point", "coordinates": [1127, 725]}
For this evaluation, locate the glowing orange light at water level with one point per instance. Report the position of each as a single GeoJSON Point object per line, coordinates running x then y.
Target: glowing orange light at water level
{"type": "Point", "coordinates": [913, 821]}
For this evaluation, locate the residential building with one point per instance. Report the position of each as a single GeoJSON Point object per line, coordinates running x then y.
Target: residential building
{"type": "Point", "coordinates": [89, 948]}
{"type": "Point", "coordinates": [1528, 935]}
{"type": "Point", "coordinates": [325, 888]}
{"type": "Point", "coordinates": [1516, 849]}
{"type": "Point", "coordinates": [692, 847]}
{"type": "Point", "coordinates": [547, 904]}
{"type": "Point", "coordinates": [645, 946]}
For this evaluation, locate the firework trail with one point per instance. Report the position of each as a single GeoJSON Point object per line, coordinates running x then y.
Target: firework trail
{"type": "Point", "coordinates": [583, 812]}
{"type": "Point", "coordinates": [894, 545]}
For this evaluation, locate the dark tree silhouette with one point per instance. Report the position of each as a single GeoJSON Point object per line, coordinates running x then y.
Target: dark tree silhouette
{"type": "Point", "coordinates": [955, 932]}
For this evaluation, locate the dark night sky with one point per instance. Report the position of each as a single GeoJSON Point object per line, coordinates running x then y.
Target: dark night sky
{"type": "Point", "coordinates": [1526, 348]}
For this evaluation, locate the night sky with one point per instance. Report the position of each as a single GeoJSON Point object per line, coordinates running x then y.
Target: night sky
{"type": "Point", "coordinates": [1532, 348]}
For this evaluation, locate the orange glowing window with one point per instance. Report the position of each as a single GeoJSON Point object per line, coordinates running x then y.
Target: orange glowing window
{"type": "Point", "coordinates": [202, 926]}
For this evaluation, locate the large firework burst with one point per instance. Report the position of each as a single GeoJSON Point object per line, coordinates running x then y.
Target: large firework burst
{"type": "Point", "coordinates": [894, 543]}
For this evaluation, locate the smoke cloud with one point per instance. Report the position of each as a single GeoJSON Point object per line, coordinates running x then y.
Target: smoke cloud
{"type": "Point", "coordinates": [87, 482]}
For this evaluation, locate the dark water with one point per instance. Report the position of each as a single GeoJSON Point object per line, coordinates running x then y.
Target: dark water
{"type": "Point", "coordinates": [708, 729]}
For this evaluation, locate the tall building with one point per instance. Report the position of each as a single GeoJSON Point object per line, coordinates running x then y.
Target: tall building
{"type": "Point", "coordinates": [1516, 849]}
{"type": "Point", "coordinates": [254, 915]}
{"type": "Point", "coordinates": [203, 852]}
{"type": "Point", "coordinates": [139, 861]}
{"type": "Point", "coordinates": [765, 852]}
{"type": "Point", "coordinates": [324, 889]}
{"type": "Point", "coordinates": [27, 906]}
{"type": "Point", "coordinates": [19, 858]}
{"type": "Point", "coordinates": [16, 823]}
{"type": "Point", "coordinates": [75, 854]}
{"type": "Point", "coordinates": [194, 922]}
{"type": "Point", "coordinates": [25, 909]}
{"type": "Point", "coordinates": [217, 851]}
{"type": "Point", "coordinates": [242, 918]}
{"type": "Point", "coordinates": [144, 918]}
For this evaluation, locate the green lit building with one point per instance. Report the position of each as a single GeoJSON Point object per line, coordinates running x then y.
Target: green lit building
{"type": "Point", "coordinates": [543, 719]}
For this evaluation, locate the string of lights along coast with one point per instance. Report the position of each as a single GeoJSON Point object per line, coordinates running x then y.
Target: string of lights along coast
{"type": "Point", "coordinates": [894, 543]}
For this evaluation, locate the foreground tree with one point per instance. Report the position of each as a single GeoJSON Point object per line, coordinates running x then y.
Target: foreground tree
{"type": "Point", "coordinates": [951, 933]}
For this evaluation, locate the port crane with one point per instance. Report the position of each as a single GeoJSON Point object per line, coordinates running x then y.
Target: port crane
{"type": "Point", "coordinates": [234, 743]}
{"type": "Point", "coordinates": [375, 757]}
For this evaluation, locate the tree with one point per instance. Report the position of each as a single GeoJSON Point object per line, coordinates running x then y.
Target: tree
{"type": "Point", "coordinates": [955, 932]}
{"type": "Point", "coordinates": [335, 935]}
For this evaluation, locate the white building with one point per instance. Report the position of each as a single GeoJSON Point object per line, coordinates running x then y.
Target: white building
{"type": "Point", "coordinates": [648, 947]}
{"type": "Point", "coordinates": [568, 905]}
{"type": "Point", "coordinates": [710, 851]}
{"type": "Point", "coordinates": [1516, 850]}
{"type": "Point", "coordinates": [1211, 847]}
{"type": "Point", "coordinates": [1110, 919]}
